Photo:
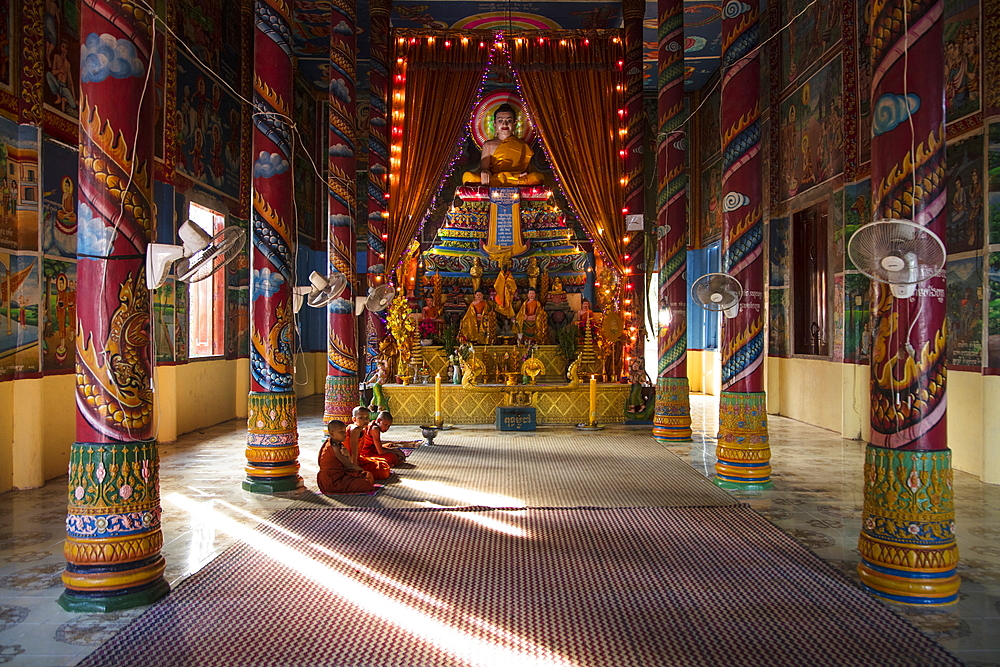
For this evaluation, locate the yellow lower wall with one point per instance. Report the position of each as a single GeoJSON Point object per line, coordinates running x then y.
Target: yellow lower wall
{"type": "Point", "coordinates": [704, 372]}
{"type": "Point", "coordinates": [38, 416]}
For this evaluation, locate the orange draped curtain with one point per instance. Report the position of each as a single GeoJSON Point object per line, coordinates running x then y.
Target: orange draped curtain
{"type": "Point", "coordinates": [573, 89]}
{"type": "Point", "coordinates": [442, 73]}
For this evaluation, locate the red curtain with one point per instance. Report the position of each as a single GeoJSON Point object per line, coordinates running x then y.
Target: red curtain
{"type": "Point", "coordinates": [573, 89]}
{"type": "Point", "coordinates": [441, 73]}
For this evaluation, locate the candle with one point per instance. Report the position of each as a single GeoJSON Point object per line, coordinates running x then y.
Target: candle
{"type": "Point", "coordinates": [593, 401]}
{"type": "Point", "coordinates": [437, 401]}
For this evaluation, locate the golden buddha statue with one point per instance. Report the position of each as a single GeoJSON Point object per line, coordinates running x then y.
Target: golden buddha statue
{"type": "Point", "coordinates": [505, 158]}
{"type": "Point", "coordinates": [476, 272]}
{"type": "Point", "coordinates": [506, 289]}
{"type": "Point", "coordinates": [533, 272]}
{"type": "Point", "coordinates": [531, 321]}
{"type": "Point", "coordinates": [479, 323]}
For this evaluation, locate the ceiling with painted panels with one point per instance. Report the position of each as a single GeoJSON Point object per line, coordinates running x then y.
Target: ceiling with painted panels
{"type": "Point", "coordinates": [702, 27]}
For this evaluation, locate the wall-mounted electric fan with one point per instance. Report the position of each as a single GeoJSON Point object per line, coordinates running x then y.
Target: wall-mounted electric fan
{"type": "Point", "coordinates": [320, 291]}
{"type": "Point", "coordinates": [897, 252]}
{"type": "Point", "coordinates": [199, 256]}
{"type": "Point", "coordinates": [378, 299]}
{"type": "Point", "coordinates": [718, 292]}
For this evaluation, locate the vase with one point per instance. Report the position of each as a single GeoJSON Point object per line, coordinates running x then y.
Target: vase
{"type": "Point", "coordinates": [456, 374]}
{"type": "Point", "coordinates": [426, 342]}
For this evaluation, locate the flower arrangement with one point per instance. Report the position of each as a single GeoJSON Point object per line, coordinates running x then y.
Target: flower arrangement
{"type": "Point", "coordinates": [428, 328]}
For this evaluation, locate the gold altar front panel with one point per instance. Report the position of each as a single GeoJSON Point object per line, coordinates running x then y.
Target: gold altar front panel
{"type": "Point", "coordinates": [555, 404]}
{"type": "Point", "coordinates": [553, 362]}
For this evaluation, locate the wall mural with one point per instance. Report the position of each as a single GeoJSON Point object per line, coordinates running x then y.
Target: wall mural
{"type": "Point", "coordinates": [180, 322]}
{"type": "Point", "coordinates": [857, 212]}
{"type": "Point", "coordinates": [711, 203]}
{"type": "Point", "coordinates": [777, 322]}
{"type": "Point", "coordinates": [164, 321]}
{"type": "Point", "coordinates": [778, 250]}
{"type": "Point", "coordinates": [807, 38]}
{"type": "Point", "coordinates": [838, 244]}
{"type": "Point", "coordinates": [813, 119]}
{"type": "Point", "coordinates": [19, 185]}
{"type": "Point", "coordinates": [19, 300]}
{"type": "Point", "coordinates": [964, 224]}
{"type": "Point", "coordinates": [965, 313]}
{"type": "Point", "coordinates": [864, 82]}
{"type": "Point", "coordinates": [961, 59]}
{"type": "Point", "coordinates": [238, 326]}
{"type": "Point", "coordinates": [62, 56]}
{"type": "Point", "coordinates": [994, 182]}
{"type": "Point", "coordinates": [59, 315]}
{"type": "Point", "coordinates": [993, 312]}
{"type": "Point", "coordinates": [710, 126]}
{"type": "Point", "coordinates": [6, 55]}
{"type": "Point", "coordinates": [208, 129]}
{"type": "Point", "coordinates": [59, 183]}
{"type": "Point", "coordinates": [857, 318]}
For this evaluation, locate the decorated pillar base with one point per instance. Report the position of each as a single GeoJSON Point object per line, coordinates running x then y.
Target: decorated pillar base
{"type": "Point", "coordinates": [672, 422]}
{"type": "Point", "coordinates": [272, 443]}
{"type": "Point", "coordinates": [342, 396]}
{"type": "Point", "coordinates": [743, 451]}
{"type": "Point", "coordinates": [907, 544]}
{"type": "Point", "coordinates": [113, 536]}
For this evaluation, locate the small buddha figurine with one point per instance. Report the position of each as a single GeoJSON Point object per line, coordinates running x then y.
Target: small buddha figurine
{"type": "Point", "coordinates": [479, 322]}
{"type": "Point", "coordinates": [588, 319]}
{"type": "Point", "coordinates": [533, 273]}
{"type": "Point", "coordinates": [505, 159]}
{"type": "Point", "coordinates": [531, 321]}
{"type": "Point", "coordinates": [476, 271]}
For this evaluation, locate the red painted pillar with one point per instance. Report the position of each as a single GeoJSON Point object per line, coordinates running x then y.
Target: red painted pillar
{"type": "Point", "coordinates": [907, 541]}
{"type": "Point", "coordinates": [633, 12]}
{"type": "Point", "coordinates": [113, 535]}
{"type": "Point", "coordinates": [342, 344]}
{"type": "Point", "coordinates": [672, 421]}
{"type": "Point", "coordinates": [272, 439]}
{"type": "Point", "coordinates": [743, 451]}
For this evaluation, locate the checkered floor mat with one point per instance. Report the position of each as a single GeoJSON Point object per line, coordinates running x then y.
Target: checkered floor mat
{"type": "Point", "coordinates": [559, 587]}
{"type": "Point", "coordinates": [591, 470]}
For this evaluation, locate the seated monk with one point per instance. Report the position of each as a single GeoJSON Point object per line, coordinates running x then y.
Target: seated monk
{"type": "Point", "coordinates": [378, 468]}
{"type": "Point", "coordinates": [372, 446]}
{"type": "Point", "coordinates": [479, 322]}
{"type": "Point", "coordinates": [336, 472]}
{"type": "Point", "coordinates": [531, 320]}
{"type": "Point", "coordinates": [505, 158]}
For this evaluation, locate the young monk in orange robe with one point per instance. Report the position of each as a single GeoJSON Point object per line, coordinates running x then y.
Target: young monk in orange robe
{"type": "Point", "coordinates": [371, 442]}
{"type": "Point", "coordinates": [336, 472]}
{"type": "Point", "coordinates": [377, 467]}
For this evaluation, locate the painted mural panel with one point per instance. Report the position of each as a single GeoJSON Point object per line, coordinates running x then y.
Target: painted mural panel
{"type": "Point", "coordinates": [994, 182]}
{"type": "Point", "coordinates": [857, 212]}
{"type": "Point", "coordinates": [963, 81]}
{"type": "Point", "coordinates": [809, 36]}
{"type": "Point", "coordinates": [857, 318]}
{"type": "Point", "coordinates": [59, 316]}
{"type": "Point", "coordinates": [964, 225]}
{"type": "Point", "coordinates": [19, 299]}
{"type": "Point", "coordinates": [59, 183]}
{"type": "Point", "coordinates": [965, 312]}
{"type": "Point", "coordinates": [238, 326]}
{"type": "Point", "coordinates": [180, 322]}
{"type": "Point", "coordinates": [864, 82]}
{"type": "Point", "coordinates": [19, 189]}
{"type": "Point", "coordinates": [778, 251]}
{"type": "Point", "coordinates": [711, 203]}
{"type": "Point", "coordinates": [62, 56]}
{"type": "Point", "coordinates": [839, 304]}
{"type": "Point", "coordinates": [164, 321]}
{"type": "Point", "coordinates": [813, 119]}
{"type": "Point", "coordinates": [838, 246]}
{"type": "Point", "coordinates": [208, 129]}
{"type": "Point", "coordinates": [993, 312]}
{"type": "Point", "coordinates": [198, 26]}
{"type": "Point", "coordinates": [777, 313]}
{"type": "Point", "coordinates": [710, 125]}
{"type": "Point", "coordinates": [6, 52]}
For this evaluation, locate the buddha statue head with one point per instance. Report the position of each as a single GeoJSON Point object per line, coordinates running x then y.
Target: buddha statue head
{"type": "Point", "coordinates": [505, 121]}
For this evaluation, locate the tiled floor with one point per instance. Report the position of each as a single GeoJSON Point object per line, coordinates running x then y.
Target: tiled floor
{"type": "Point", "coordinates": [817, 498]}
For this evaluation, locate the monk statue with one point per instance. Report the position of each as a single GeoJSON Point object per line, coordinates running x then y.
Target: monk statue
{"type": "Point", "coordinates": [531, 321]}
{"type": "Point", "coordinates": [505, 158]}
{"type": "Point", "coordinates": [479, 324]}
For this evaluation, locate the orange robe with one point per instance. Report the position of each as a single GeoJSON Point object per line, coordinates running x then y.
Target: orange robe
{"type": "Point", "coordinates": [366, 446]}
{"type": "Point", "coordinates": [377, 467]}
{"type": "Point", "coordinates": [333, 477]}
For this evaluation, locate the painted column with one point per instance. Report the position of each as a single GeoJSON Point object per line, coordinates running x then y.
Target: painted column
{"type": "Point", "coordinates": [378, 167]}
{"type": "Point", "coordinates": [113, 535]}
{"type": "Point", "coordinates": [907, 541]}
{"type": "Point", "coordinates": [743, 451]}
{"type": "Point", "coordinates": [342, 341]}
{"type": "Point", "coordinates": [633, 12]}
{"type": "Point", "coordinates": [672, 421]}
{"type": "Point", "coordinates": [272, 439]}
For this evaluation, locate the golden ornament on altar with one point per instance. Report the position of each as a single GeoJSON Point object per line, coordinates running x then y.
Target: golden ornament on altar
{"type": "Point", "coordinates": [612, 327]}
{"type": "Point", "coordinates": [472, 370]}
{"type": "Point", "coordinates": [532, 367]}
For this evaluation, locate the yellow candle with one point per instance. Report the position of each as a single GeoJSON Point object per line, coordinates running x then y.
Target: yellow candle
{"type": "Point", "coordinates": [437, 401]}
{"type": "Point", "coordinates": [593, 400]}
